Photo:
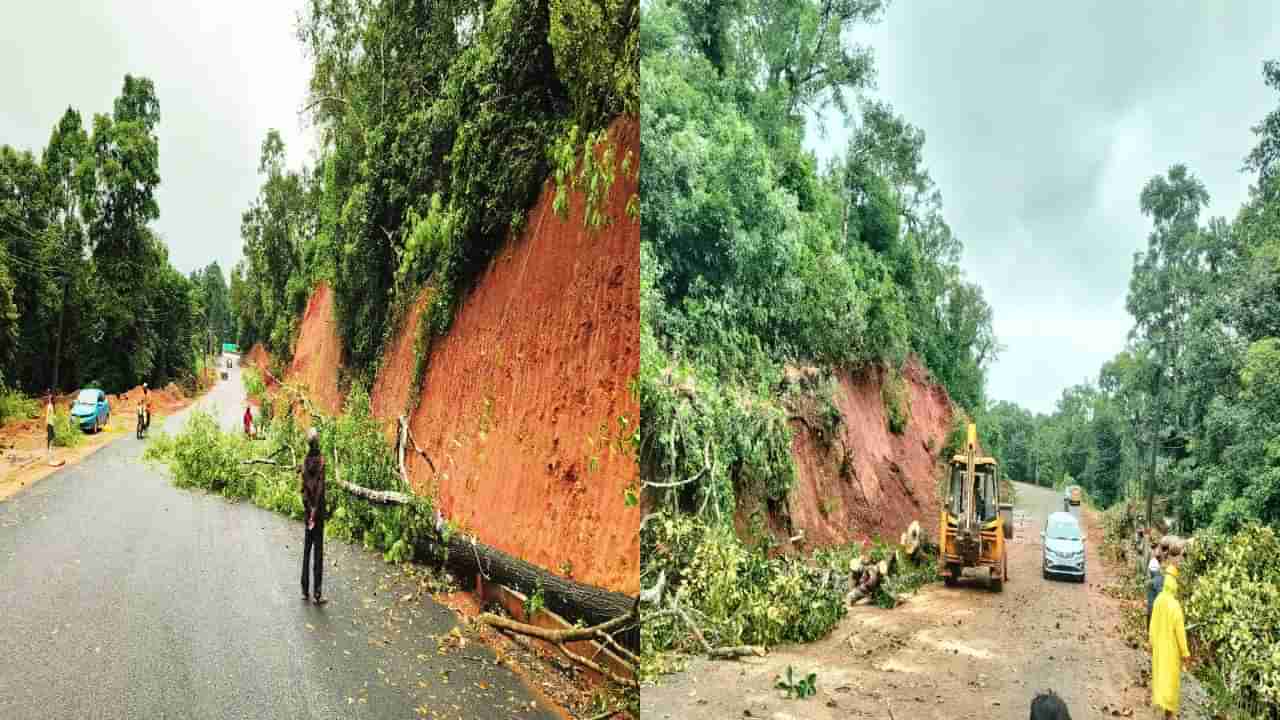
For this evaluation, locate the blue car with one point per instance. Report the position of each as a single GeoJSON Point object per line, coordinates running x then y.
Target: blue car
{"type": "Point", "coordinates": [91, 410]}
{"type": "Point", "coordinates": [1063, 547]}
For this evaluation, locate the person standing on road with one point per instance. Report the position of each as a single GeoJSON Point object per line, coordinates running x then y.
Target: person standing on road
{"type": "Point", "coordinates": [313, 512]}
{"type": "Point", "coordinates": [48, 424]}
{"type": "Point", "coordinates": [1169, 651]}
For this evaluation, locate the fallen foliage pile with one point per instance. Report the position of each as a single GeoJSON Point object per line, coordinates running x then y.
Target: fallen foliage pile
{"type": "Point", "coordinates": [709, 593]}
{"type": "Point", "coordinates": [203, 456]}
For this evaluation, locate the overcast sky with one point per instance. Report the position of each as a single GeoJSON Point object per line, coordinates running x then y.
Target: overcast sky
{"type": "Point", "coordinates": [1042, 123]}
{"type": "Point", "coordinates": [224, 73]}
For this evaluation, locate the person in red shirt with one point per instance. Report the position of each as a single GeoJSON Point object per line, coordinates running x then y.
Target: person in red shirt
{"type": "Point", "coordinates": [248, 421]}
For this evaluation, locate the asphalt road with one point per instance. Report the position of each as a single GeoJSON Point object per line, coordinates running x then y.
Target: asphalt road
{"type": "Point", "coordinates": [122, 596]}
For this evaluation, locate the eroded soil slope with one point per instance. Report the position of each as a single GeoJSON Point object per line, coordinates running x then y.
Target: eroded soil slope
{"type": "Point", "coordinates": [870, 481]}
{"type": "Point", "coordinates": [526, 409]}
{"type": "Point", "coordinates": [394, 383]}
{"type": "Point", "coordinates": [317, 356]}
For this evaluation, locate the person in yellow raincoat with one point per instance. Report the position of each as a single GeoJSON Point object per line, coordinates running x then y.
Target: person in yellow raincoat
{"type": "Point", "coordinates": [1168, 639]}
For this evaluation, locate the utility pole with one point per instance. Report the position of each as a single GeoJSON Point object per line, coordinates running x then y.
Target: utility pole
{"type": "Point", "coordinates": [1155, 439]}
{"type": "Point", "coordinates": [62, 315]}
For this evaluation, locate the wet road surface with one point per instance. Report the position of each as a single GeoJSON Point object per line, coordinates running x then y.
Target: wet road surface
{"type": "Point", "coordinates": [123, 596]}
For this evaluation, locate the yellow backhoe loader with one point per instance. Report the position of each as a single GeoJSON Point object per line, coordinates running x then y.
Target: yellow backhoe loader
{"type": "Point", "coordinates": [974, 523]}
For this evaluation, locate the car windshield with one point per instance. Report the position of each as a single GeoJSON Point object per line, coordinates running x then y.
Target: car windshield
{"type": "Point", "coordinates": [1063, 529]}
{"type": "Point", "coordinates": [88, 396]}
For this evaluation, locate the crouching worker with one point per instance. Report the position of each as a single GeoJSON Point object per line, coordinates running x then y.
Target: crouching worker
{"type": "Point", "coordinates": [313, 514]}
{"type": "Point", "coordinates": [866, 576]}
{"type": "Point", "coordinates": [1047, 705]}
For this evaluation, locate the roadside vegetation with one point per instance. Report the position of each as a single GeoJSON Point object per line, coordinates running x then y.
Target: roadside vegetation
{"type": "Point", "coordinates": [16, 406]}
{"type": "Point", "coordinates": [754, 260]}
{"type": "Point", "coordinates": [265, 471]}
{"type": "Point", "coordinates": [1184, 419]}
{"type": "Point", "coordinates": [66, 431]}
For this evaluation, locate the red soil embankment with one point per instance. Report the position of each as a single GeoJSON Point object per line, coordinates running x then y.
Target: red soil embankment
{"type": "Point", "coordinates": [317, 356]}
{"type": "Point", "coordinates": [890, 479]}
{"type": "Point", "coordinates": [391, 389]}
{"type": "Point", "coordinates": [257, 357]}
{"type": "Point", "coordinates": [526, 408]}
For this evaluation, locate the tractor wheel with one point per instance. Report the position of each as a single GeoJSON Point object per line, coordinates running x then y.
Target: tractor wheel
{"type": "Point", "coordinates": [952, 576]}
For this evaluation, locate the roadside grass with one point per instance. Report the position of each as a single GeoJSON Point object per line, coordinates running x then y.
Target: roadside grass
{"type": "Point", "coordinates": [16, 406]}
{"type": "Point", "coordinates": [253, 385]}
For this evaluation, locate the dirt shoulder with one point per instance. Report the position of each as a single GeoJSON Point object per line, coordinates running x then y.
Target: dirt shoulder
{"type": "Point", "coordinates": [947, 652]}
{"type": "Point", "coordinates": [22, 442]}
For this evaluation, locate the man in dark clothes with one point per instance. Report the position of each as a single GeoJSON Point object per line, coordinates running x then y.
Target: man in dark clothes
{"type": "Point", "coordinates": [1048, 706]}
{"type": "Point", "coordinates": [313, 513]}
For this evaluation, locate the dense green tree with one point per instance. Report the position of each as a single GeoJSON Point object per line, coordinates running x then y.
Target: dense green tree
{"type": "Point", "coordinates": [273, 229]}
{"type": "Point", "coordinates": [86, 291]}
{"type": "Point", "coordinates": [1264, 159]}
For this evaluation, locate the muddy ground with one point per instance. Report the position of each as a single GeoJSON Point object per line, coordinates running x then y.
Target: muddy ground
{"type": "Point", "coordinates": [962, 652]}
{"type": "Point", "coordinates": [23, 457]}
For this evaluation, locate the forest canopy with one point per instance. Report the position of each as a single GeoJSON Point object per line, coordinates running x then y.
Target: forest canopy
{"type": "Point", "coordinates": [87, 293]}
{"type": "Point", "coordinates": [753, 257]}
{"type": "Point", "coordinates": [438, 124]}
{"type": "Point", "coordinates": [1188, 410]}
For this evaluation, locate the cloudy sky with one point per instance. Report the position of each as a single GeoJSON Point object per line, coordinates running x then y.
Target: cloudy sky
{"type": "Point", "coordinates": [1043, 121]}
{"type": "Point", "coordinates": [224, 73]}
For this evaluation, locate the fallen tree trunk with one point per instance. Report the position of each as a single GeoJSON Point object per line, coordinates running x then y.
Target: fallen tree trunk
{"type": "Point", "coordinates": [469, 559]}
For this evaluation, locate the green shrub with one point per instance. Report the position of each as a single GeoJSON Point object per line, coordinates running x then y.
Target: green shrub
{"type": "Point", "coordinates": [16, 406]}
{"type": "Point", "coordinates": [203, 456]}
{"type": "Point", "coordinates": [737, 594]}
{"type": "Point", "coordinates": [1233, 586]}
{"type": "Point", "coordinates": [897, 401]}
{"type": "Point", "coordinates": [717, 436]}
{"type": "Point", "coordinates": [66, 431]}
{"type": "Point", "coordinates": [254, 387]}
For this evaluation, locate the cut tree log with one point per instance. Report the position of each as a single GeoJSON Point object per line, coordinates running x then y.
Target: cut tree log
{"type": "Point", "coordinates": [469, 559]}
